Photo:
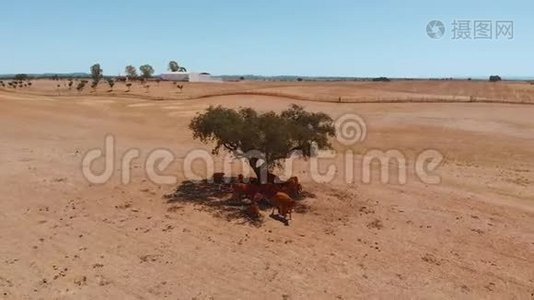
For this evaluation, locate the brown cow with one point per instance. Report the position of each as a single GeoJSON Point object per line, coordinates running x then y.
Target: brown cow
{"type": "Point", "coordinates": [283, 203]}
{"type": "Point", "coordinates": [253, 210]}
{"type": "Point", "coordinates": [242, 189]}
{"type": "Point", "coordinates": [250, 190]}
{"type": "Point", "coordinates": [291, 187]}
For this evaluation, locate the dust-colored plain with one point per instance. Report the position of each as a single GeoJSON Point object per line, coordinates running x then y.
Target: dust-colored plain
{"type": "Point", "coordinates": [470, 236]}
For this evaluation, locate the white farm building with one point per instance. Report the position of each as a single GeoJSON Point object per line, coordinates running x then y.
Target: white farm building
{"type": "Point", "coordinates": [189, 76]}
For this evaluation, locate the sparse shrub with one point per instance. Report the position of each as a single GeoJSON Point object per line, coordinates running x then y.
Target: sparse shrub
{"type": "Point", "coordinates": [180, 86]}
{"type": "Point", "coordinates": [128, 85]}
{"type": "Point", "coordinates": [299, 79]}
{"type": "Point", "coordinates": [494, 78]}
{"type": "Point", "coordinates": [111, 83]}
{"type": "Point", "coordinates": [81, 86]}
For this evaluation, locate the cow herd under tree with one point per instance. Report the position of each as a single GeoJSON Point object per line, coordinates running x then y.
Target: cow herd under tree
{"type": "Point", "coordinates": [265, 140]}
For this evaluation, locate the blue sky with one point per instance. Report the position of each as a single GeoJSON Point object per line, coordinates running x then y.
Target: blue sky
{"type": "Point", "coordinates": [274, 37]}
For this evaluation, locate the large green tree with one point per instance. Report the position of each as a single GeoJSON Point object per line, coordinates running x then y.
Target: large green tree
{"type": "Point", "coordinates": [264, 139]}
{"type": "Point", "coordinates": [96, 73]}
{"type": "Point", "coordinates": [131, 72]}
{"type": "Point", "coordinates": [175, 67]}
{"type": "Point", "coordinates": [146, 71]}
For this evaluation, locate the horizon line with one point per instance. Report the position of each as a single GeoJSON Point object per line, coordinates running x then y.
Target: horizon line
{"type": "Point", "coordinates": [464, 77]}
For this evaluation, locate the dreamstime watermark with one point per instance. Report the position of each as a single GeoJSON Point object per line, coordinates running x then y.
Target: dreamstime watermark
{"type": "Point", "coordinates": [350, 129]}
{"type": "Point", "coordinates": [322, 166]}
{"type": "Point", "coordinates": [472, 29]}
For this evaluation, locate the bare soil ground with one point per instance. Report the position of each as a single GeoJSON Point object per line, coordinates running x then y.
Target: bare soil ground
{"type": "Point", "coordinates": [471, 236]}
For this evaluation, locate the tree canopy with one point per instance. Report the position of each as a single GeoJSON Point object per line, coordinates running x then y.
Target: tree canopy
{"type": "Point", "coordinates": [96, 72]}
{"type": "Point", "coordinates": [175, 67]}
{"type": "Point", "coordinates": [146, 71]}
{"type": "Point", "coordinates": [21, 77]}
{"type": "Point", "coordinates": [264, 139]}
{"type": "Point", "coordinates": [131, 72]}
{"type": "Point", "coordinates": [494, 78]}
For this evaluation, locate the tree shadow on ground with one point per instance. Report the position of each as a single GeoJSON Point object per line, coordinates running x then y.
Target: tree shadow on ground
{"type": "Point", "coordinates": [216, 198]}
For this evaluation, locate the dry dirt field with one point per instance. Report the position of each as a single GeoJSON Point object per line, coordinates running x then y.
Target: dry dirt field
{"type": "Point", "coordinates": [359, 91]}
{"type": "Point", "coordinates": [471, 236]}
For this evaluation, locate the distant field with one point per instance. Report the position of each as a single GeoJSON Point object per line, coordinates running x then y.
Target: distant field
{"type": "Point", "coordinates": [394, 91]}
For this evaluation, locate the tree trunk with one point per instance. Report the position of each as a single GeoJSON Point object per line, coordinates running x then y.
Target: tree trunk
{"type": "Point", "coordinates": [260, 171]}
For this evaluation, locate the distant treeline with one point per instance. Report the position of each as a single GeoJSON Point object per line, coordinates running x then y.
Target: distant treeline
{"type": "Point", "coordinates": [327, 78]}
{"type": "Point", "coordinates": [296, 78]}
{"type": "Point", "coordinates": [53, 76]}
{"type": "Point", "coordinates": [492, 78]}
